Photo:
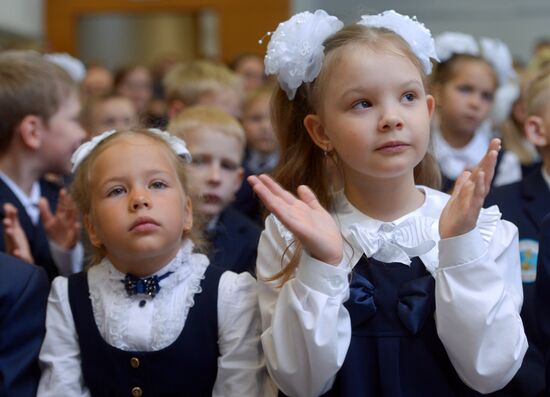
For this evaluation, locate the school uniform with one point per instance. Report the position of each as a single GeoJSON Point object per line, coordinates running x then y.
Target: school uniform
{"type": "Point", "coordinates": [234, 242]}
{"type": "Point", "coordinates": [246, 200]}
{"type": "Point", "coordinates": [23, 295]}
{"type": "Point", "coordinates": [33, 228]}
{"type": "Point", "coordinates": [525, 204]}
{"type": "Point", "coordinates": [198, 336]}
{"type": "Point", "coordinates": [421, 316]}
{"type": "Point", "coordinates": [542, 295]}
{"type": "Point", "coordinates": [453, 161]}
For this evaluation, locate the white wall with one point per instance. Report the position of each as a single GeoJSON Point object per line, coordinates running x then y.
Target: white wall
{"type": "Point", "coordinates": [517, 22]}
{"type": "Point", "coordinates": [23, 17]}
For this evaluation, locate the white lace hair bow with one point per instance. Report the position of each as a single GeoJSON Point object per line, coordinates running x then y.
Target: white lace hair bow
{"type": "Point", "coordinates": [417, 36]}
{"type": "Point", "coordinates": [295, 50]}
{"type": "Point", "coordinates": [84, 150]}
{"type": "Point", "coordinates": [396, 243]}
{"type": "Point", "coordinates": [494, 51]}
{"type": "Point", "coordinates": [71, 65]}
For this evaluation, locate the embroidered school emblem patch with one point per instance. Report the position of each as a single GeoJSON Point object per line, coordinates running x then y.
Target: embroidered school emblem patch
{"type": "Point", "coordinates": [529, 252]}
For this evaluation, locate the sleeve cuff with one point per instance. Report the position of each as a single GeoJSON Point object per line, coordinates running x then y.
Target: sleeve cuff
{"type": "Point", "coordinates": [461, 249]}
{"type": "Point", "coordinates": [68, 262]}
{"type": "Point", "coordinates": [327, 279]}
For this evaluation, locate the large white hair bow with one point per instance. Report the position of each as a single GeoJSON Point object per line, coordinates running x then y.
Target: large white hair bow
{"type": "Point", "coordinates": [417, 36]}
{"type": "Point", "coordinates": [84, 150]}
{"type": "Point", "coordinates": [494, 51]}
{"type": "Point", "coordinates": [295, 50]}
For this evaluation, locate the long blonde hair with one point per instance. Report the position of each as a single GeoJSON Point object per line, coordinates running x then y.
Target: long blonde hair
{"type": "Point", "coordinates": [301, 161]}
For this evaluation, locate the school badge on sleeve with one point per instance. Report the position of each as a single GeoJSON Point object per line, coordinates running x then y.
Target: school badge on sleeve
{"type": "Point", "coordinates": [528, 251]}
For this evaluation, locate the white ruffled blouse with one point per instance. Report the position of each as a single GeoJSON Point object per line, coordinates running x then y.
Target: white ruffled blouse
{"type": "Point", "coordinates": [307, 329]}
{"type": "Point", "coordinates": [453, 161]}
{"type": "Point", "coordinates": [124, 324]}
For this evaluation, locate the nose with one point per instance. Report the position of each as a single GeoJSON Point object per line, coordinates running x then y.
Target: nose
{"type": "Point", "coordinates": [140, 200]}
{"type": "Point", "coordinates": [390, 120]}
{"type": "Point", "coordinates": [214, 174]}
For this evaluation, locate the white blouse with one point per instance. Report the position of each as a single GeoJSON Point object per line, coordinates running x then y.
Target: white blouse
{"type": "Point", "coordinates": [307, 329]}
{"type": "Point", "coordinates": [124, 324]}
{"type": "Point", "coordinates": [453, 161]}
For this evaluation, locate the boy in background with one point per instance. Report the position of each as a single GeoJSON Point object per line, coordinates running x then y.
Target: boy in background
{"type": "Point", "coordinates": [203, 83]}
{"type": "Point", "coordinates": [216, 141]}
{"type": "Point", "coordinates": [525, 203]}
{"type": "Point", "coordinates": [39, 130]}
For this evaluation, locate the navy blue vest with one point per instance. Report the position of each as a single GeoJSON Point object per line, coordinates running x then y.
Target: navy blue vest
{"type": "Point", "coordinates": [187, 367]}
{"type": "Point", "coordinates": [394, 349]}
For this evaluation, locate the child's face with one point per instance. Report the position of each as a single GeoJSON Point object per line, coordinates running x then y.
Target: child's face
{"type": "Point", "coordinates": [465, 101]}
{"type": "Point", "coordinates": [226, 99]}
{"type": "Point", "coordinates": [62, 135]}
{"type": "Point", "coordinates": [251, 70]}
{"type": "Point", "coordinates": [215, 173]}
{"type": "Point", "coordinates": [138, 86]}
{"type": "Point", "coordinates": [116, 113]}
{"type": "Point", "coordinates": [257, 124]}
{"type": "Point", "coordinates": [139, 209]}
{"type": "Point", "coordinates": [374, 113]}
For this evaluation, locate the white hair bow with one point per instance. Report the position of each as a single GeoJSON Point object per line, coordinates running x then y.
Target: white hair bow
{"type": "Point", "coordinates": [84, 150]}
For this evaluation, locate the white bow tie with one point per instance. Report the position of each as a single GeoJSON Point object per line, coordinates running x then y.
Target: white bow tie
{"type": "Point", "coordinates": [396, 243]}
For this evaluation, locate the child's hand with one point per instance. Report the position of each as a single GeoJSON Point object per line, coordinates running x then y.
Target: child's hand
{"type": "Point", "coordinates": [62, 228]}
{"type": "Point", "coordinates": [17, 243]}
{"type": "Point", "coordinates": [304, 217]}
{"type": "Point", "coordinates": [461, 212]}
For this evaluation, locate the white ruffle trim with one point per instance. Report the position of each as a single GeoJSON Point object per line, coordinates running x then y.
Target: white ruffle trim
{"type": "Point", "coordinates": [111, 304]}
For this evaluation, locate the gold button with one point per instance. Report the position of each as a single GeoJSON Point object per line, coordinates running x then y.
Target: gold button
{"type": "Point", "coordinates": [137, 392]}
{"type": "Point", "coordinates": [134, 362]}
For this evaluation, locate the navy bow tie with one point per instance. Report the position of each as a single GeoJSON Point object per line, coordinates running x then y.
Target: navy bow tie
{"type": "Point", "coordinates": [148, 286]}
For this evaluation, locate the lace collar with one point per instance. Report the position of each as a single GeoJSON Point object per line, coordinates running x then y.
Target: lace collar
{"type": "Point", "coordinates": [452, 160]}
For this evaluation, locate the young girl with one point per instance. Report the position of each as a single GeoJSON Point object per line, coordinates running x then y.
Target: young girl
{"type": "Point", "coordinates": [432, 308]}
{"type": "Point", "coordinates": [464, 86]}
{"type": "Point", "coordinates": [150, 316]}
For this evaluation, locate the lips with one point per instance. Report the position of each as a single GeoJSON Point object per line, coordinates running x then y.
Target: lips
{"type": "Point", "coordinates": [143, 223]}
{"type": "Point", "coordinates": [211, 198]}
{"type": "Point", "coordinates": [393, 146]}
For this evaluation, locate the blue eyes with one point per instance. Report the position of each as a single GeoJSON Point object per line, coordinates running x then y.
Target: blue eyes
{"type": "Point", "coordinates": [364, 104]}
{"type": "Point", "coordinates": [119, 190]}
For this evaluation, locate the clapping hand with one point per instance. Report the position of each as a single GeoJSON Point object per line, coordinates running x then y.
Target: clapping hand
{"type": "Point", "coordinates": [304, 217]}
{"type": "Point", "coordinates": [15, 238]}
{"type": "Point", "coordinates": [62, 228]}
{"type": "Point", "coordinates": [461, 212]}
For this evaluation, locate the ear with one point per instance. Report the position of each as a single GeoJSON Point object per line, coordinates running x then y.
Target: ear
{"type": "Point", "coordinates": [316, 131]}
{"type": "Point", "coordinates": [175, 108]}
{"type": "Point", "coordinates": [239, 178]}
{"type": "Point", "coordinates": [31, 130]}
{"type": "Point", "coordinates": [430, 102]}
{"type": "Point", "coordinates": [92, 234]}
{"type": "Point", "coordinates": [188, 210]}
{"type": "Point", "coordinates": [535, 131]}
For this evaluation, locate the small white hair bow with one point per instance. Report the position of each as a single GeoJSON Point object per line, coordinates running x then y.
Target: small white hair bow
{"type": "Point", "coordinates": [178, 145]}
